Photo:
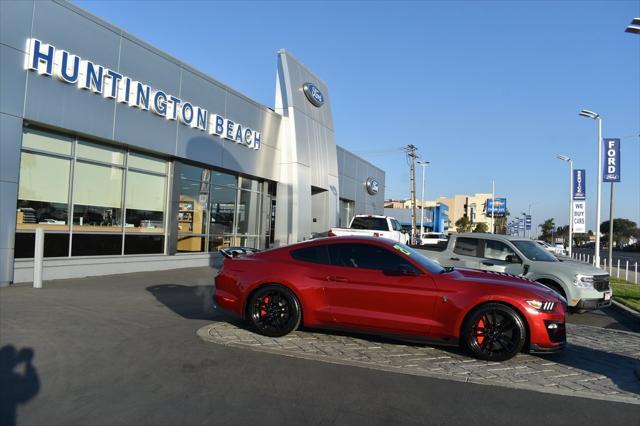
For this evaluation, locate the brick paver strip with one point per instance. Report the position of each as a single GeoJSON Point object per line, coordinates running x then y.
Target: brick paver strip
{"type": "Point", "coordinates": [597, 363]}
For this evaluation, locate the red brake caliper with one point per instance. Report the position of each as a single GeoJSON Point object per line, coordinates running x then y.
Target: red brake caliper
{"type": "Point", "coordinates": [479, 324]}
{"type": "Point", "coordinates": [263, 310]}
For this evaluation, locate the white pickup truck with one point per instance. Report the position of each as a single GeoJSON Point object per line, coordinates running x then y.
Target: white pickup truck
{"type": "Point", "coordinates": [373, 226]}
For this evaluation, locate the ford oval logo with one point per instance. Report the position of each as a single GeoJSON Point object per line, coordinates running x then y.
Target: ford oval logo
{"type": "Point", "coordinates": [372, 186]}
{"type": "Point", "coordinates": [313, 94]}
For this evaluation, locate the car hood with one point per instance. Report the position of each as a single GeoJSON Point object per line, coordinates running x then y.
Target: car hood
{"type": "Point", "coordinates": [493, 278]}
{"type": "Point", "coordinates": [568, 265]}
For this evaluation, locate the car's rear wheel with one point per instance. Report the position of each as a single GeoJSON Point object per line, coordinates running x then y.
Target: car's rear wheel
{"type": "Point", "coordinates": [274, 311]}
{"type": "Point", "coordinates": [494, 332]}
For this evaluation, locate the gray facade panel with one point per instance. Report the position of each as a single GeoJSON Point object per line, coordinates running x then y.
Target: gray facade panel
{"type": "Point", "coordinates": [247, 114]}
{"type": "Point", "coordinates": [15, 23]}
{"type": "Point", "coordinates": [8, 203]}
{"type": "Point", "coordinates": [258, 163]}
{"type": "Point", "coordinates": [149, 68]}
{"type": "Point", "coordinates": [144, 129]}
{"type": "Point", "coordinates": [12, 82]}
{"type": "Point", "coordinates": [199, 146]}
{"type": "Point", "coordinates": [55, 24]}
{"type": "Point", "coordinates": [6, 267]}
{"type": "Point", "coordinates": [10, 142]}
{"type": "Point", "coordinates": [63, 105]}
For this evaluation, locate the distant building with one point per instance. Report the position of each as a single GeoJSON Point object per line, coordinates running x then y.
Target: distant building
{"type": "Point", "coordinates": [472, 206]}
{"type": "Point", "coordinates": [436, 215]}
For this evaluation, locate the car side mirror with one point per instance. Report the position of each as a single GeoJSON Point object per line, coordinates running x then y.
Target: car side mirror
{"type": "Point", "coordinates": [404, 231]}
{"type": "Point", "coordinates": [512, 259]}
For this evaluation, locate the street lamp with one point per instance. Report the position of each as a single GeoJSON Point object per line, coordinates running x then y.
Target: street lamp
{"type": "Point", "coordinates": [596, 116]}
{"type": "Point", "coordinates": [570, 161]}
{"type": "Point", "coordinates": [524, 223]}
{"type": "Point", "coordinates": [424, 166]}
{"type": "Point", "coordinates": [634, 27]}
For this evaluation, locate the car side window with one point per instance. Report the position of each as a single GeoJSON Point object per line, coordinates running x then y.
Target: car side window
{"type": "Point", "coordinates": [396, 225]}
{"type": "Point", "coordinates": [313, 254]}
{"type": "Point", "coordinates": [497, 250]}
{"type": "Point", "coordinates": [467, 247]}
{"type": "Point", "coordinates": [367, 256]}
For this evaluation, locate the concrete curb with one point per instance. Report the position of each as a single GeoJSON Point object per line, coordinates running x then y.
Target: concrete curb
{"type": "Point", "coordinates": [624, 310]}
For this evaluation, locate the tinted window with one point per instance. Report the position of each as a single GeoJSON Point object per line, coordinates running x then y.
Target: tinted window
{"type": "Point", "coordinates": [533, 251]}
{"type": "Point", "coordinates": [373, 223]}
{"type": "Point", "coordinates": [467, 247]}
{"type": "Point", "coordinates": [315, 254]}
{"type": "Point", "coordinates": [497, 250]}
{"type": "Point", "coordinates": [396, 225]}
{"type": "Point", "coordinates": [367, 256]}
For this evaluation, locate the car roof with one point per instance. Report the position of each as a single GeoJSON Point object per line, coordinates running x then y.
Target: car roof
{"type": "Point", "coordinates": [341, 239]}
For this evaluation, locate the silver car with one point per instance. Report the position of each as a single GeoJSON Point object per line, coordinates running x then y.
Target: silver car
{"type": "Point", "coordinates": [582, 285]}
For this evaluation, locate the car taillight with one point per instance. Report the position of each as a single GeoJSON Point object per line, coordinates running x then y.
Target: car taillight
{"type": "Point", "coordinates": [376, 234]}
{"type": "Point", "coordinates": [330, 234]}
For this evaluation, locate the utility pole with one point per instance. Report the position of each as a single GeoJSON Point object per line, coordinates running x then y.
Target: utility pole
{"type": "Point", "coordinates": [411, 151]}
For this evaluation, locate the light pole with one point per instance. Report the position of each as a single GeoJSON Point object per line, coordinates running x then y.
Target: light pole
{"type": "Point", "coordinates": [570, 161]}
{"type": "Point", "coordinates": [424, 166]}
{"type": "Point", "coordinates": [596, 116]}
{"type": "Point", "coordinates": [524, 225]}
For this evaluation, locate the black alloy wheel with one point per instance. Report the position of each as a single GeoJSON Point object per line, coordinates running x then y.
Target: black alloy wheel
{"type": "Point", "coordinates": [494, 332]}
{"type": "Point", "coordinates": [274, 311]}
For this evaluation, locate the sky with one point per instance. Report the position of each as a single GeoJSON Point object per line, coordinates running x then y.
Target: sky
{"type": "Point", "coordinates": [485, 90]}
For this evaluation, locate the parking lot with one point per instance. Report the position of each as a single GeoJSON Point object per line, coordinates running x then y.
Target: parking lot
{"type": "Point", "coordinates": [148, 348]}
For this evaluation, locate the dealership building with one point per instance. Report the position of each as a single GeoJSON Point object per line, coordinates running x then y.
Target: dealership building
{"type": "Point", "coordinates": [131, 160]}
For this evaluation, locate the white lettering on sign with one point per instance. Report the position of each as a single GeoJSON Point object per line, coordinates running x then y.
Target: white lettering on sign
{"type": "Point", "coordinates": [45, 59]}
{"type": "Point", "coordinates": [579, 221]}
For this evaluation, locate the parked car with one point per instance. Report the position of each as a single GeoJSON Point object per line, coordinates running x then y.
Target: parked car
{"type": "Point", "coordinates": [373, 226]}
{"type": "Point", "coordinates": [383, 287]}
{"type": "Point", "coordinates": [583, 286]}
{"type": "Point", "coordinates": [433, 239]}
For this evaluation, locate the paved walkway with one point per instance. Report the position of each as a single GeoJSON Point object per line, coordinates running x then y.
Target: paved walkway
{"type": "Point", "coordinates": [597, 363]}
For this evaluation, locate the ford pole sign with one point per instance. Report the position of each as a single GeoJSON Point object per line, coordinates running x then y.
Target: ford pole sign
{"type": "Point", "coordinates": [313, 94]}
{"type": "Point", "coordinates": [372, 186]}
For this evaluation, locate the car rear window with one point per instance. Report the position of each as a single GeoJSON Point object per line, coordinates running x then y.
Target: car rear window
{"type": "Point", "coordinates": [467, 247]}
{"type": "Point", "coordinates": [373, 223]}
{"type": "Point", "coordinates": [314, 254]}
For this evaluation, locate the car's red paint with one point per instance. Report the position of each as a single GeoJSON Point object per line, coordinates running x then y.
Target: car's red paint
{"type": "Point", "coordinates": [428, 306]}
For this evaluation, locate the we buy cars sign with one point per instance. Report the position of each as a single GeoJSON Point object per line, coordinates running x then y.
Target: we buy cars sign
{"type": "Point", "coordinates": [579, 218]}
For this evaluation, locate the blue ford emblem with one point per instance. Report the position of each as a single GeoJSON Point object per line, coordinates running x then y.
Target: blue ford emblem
{"type": "Point", "coordinates": [313, 94]}
{"type": "Point", "coordinates": [372, 186]}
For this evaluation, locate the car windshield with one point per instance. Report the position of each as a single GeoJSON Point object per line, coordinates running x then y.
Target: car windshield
{"type": "Point", "coordinates": [533, 251]}
{"type": "Point", "coordinates": [423, 260]}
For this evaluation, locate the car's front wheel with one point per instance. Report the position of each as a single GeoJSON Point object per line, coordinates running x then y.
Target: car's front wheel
{"type": "Point", "coordinates": [494, 332]}
{"type": "Point", "coordinates": [274, 311]}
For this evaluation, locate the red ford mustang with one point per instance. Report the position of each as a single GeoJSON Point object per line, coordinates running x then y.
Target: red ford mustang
{"type": "Point", "coordinates": [382, 287]}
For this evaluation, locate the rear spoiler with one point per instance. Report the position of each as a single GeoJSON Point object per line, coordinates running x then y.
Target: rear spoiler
{"type": "Point", "coordinates": [233, 252]}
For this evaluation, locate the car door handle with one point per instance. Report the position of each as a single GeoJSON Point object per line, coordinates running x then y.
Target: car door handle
{"type": "Point", "coordinates": [337, 279]}
{"type": "Point", "coordinates": [454, 258]}
{"type": "Point", "coordinates": [487, 263]}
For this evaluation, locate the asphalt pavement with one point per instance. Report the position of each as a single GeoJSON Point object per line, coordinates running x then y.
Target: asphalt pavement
{"type": "Point", "coordinates": [123, 350]}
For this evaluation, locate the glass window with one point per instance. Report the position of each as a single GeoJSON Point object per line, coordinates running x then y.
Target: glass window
{"type": "Point", "coordinates": [145, 202]}
{"type": "Point", "coordinates": [143, 244]}
{"type": "Point", "coordinates": [147, 162]}
{"type": "Point", "coordinates": [223, 179]}
{"type": "Point", "coordinates": [366, 256]}
{"type": "Point", "coordinates": [102, 153]}
{"type": "Point", "coordinates": [192, 215]}
{"type": "Point", "coordinates": [533, 251]}
{"type": "Point", "coordinates": [249, 213]}
{"type": "Point", "coordinates": [43, 192]}
{"type": "Point", "coordinates": [249, 184]}
{"type": "Point", "coordinates": [315, 254]}
{"type": "Point", "coordinates": [55, 245]}
{"type": "Point", "coordinates": [97, 198]}
{"type": "Point", "coordinates": [38, 139]}
{"type": "Point", "coordinates": [193, 173]}
{"type": "Point", "coordinates": [96, 244]}
{"type": "Point", "coordinates": [223, 207]}
{"type": "Point", "coordinates": [424, 261]}
{"type": "Point", "coordinates": [467, 247]}
{"type": "Point", "coordinates": [372, 223]}
{"type": "Point", "coordinates": [497, 250]}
